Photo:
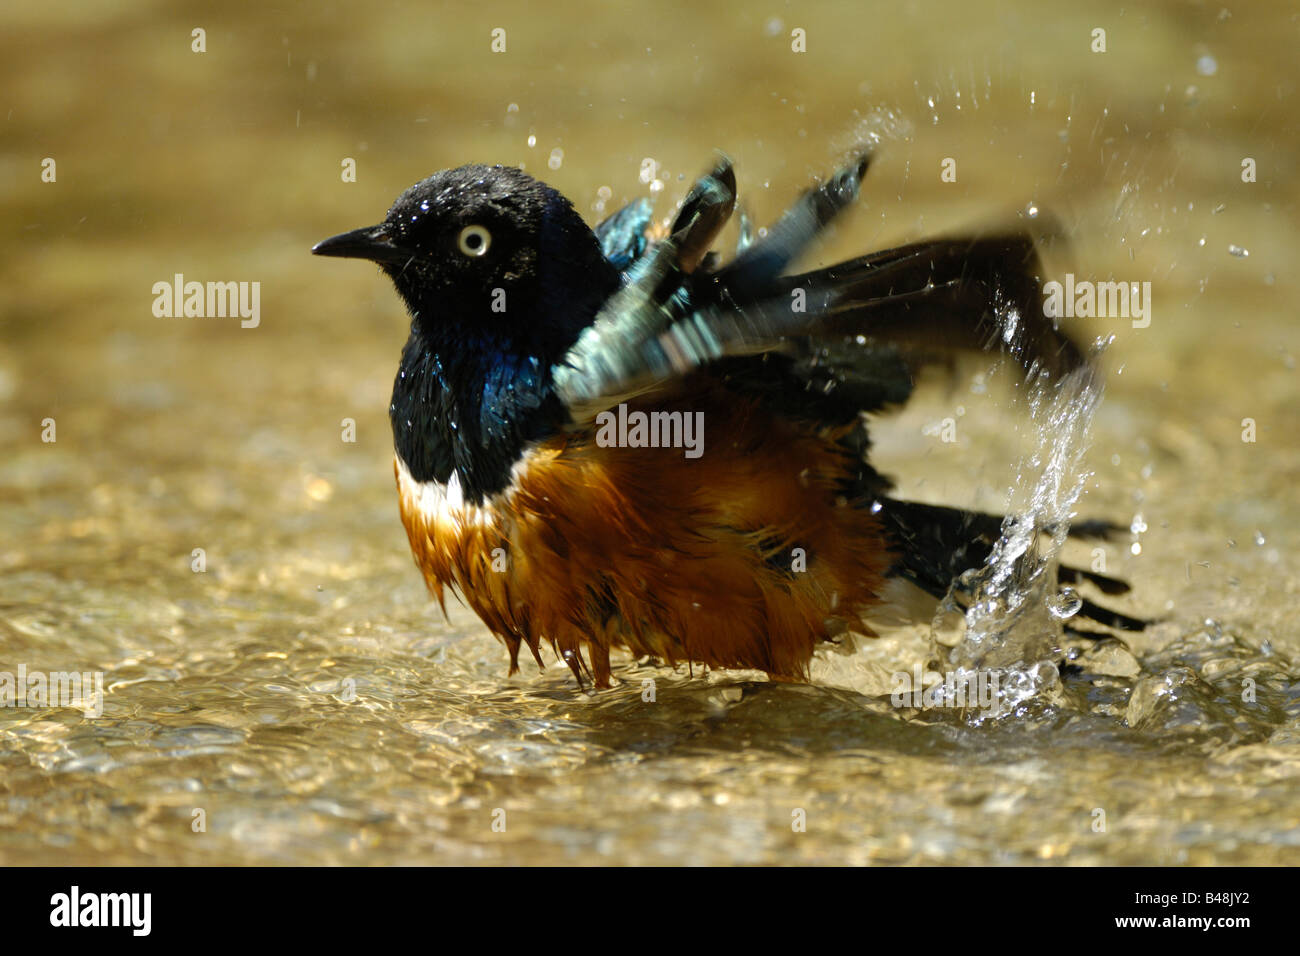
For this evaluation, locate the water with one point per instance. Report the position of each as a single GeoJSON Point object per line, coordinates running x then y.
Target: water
{"type": "Point", "coordinates": [300, 701]}
{"type": "Point", "coordinates": [1013, 609]}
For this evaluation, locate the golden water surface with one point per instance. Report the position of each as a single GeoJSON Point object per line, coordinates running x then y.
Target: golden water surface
{"type": "Point", "coordinates": [301, 701]}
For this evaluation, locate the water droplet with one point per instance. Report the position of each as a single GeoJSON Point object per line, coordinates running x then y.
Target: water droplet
{"type": "Point", "coordinates": [1259, 538]}
{"type": "Point", "coordinates": [532, 141]}
{"type": "Point", "coordinates": [1239, 251]}
{"type": "Point", "coordinates": [1207, 65]}
{"type": "Point", "coordinates": [1065, 605]}
{"type": "Point", "coordinates": [557, 158]}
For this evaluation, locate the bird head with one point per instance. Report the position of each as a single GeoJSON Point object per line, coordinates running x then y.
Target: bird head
{"type": "Point", "coordinates": [487, 257]}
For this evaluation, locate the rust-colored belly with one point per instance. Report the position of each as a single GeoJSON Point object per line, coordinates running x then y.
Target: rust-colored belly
{"type": "Point", "coordinates": [745, 557]}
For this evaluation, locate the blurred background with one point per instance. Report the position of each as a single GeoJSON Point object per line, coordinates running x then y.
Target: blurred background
{"type": "Point", "coordinates": [301, 691]}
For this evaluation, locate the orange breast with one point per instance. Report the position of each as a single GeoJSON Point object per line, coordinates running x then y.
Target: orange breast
{"type": "Point", "coordinates": [746, 556]}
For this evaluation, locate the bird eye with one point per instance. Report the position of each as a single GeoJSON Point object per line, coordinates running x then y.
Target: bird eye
{"type": "Point", "coordinates": [474, 240]}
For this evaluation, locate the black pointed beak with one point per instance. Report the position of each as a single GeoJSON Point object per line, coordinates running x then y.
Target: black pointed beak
{"type": "Point", "coordinates": [372, 242]}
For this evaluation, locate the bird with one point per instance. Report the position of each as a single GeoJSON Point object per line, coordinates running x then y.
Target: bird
{"type": "Point", "coordinates": [548, 467]}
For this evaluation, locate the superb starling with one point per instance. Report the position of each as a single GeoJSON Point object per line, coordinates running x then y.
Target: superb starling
{"type": "Point", "coordinates": [608, 438]}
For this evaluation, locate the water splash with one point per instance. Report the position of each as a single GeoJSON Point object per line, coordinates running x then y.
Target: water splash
{"type": "Point", "coordinates": [881, 124]}
{"type": "Point", "coordinates": [1005, 618]}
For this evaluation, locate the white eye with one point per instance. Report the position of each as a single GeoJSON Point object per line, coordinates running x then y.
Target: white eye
{"type": "Point", "coordinates": [474, 240]}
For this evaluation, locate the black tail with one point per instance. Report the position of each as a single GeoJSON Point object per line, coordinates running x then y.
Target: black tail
{"type": "Point", "coordinates": [935, 544]}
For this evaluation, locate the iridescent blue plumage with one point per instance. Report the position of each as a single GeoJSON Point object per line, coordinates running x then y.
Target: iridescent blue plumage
{"type": "Point", "coordinates": [488, 321]}
{"type": "Point", "coordinates": [622, 236]}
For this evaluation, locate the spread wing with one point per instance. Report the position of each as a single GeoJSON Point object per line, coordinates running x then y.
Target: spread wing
{"type": "Point", "coordinates": [676, 312]}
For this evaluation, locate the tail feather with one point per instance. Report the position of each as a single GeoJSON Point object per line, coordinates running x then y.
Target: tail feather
{"type": "Point", "coordinates": [935, 544]}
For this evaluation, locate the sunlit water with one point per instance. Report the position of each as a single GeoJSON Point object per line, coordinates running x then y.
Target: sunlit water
{"type": "Point", "coordinates": [300, 700]}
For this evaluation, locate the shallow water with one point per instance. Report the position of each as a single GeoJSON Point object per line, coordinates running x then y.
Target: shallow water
{"type": "Point", "coordinates": [304, 694]}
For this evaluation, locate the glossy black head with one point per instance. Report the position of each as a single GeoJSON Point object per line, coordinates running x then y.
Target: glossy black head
{"type": "Point", "coordinates": [500, 275]}
{"type": "Point", "coordinates": [487, 256]}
